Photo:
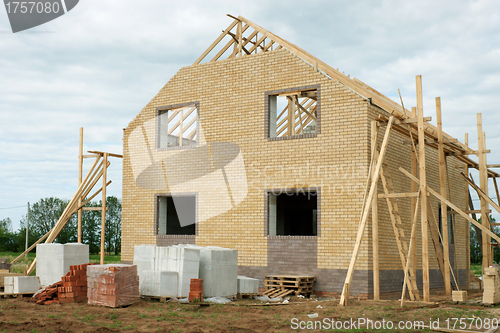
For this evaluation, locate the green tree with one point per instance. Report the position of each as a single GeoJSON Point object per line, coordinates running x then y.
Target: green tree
{"type": "Point", "coordinates": [44, 215]}
{"type": "Point", "coordinates": [7, 237]}
{"type": "Point", "coordinates": [113, 225]}
{"type": "Point", "coordinates": [475, 247]}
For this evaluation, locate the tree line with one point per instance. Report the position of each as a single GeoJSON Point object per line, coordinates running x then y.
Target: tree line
{"type": "Point", "coordinates": [44, 214]}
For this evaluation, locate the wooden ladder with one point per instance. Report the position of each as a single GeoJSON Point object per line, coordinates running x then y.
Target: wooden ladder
{"type": "Point", "coordinates": [397, 226]}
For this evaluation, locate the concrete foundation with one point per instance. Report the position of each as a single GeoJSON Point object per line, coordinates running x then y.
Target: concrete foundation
{"type": "Point", "coordinates": [53, 260]}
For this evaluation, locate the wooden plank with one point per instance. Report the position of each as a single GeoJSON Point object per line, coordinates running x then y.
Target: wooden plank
{"type": "Point", "coordinates": [442, 189]}
{"type": "Point", "coordinates": [423, 191]}
{"type": "Point", "coordinates": [80, 178]}
{"type": "Point", "coordinates": [93, 208]}
{"type": "Point", "coordinates": [375, 248]}
{"type": "Point", "coordinates": [409, 258]}
{"type": "Point", "coordinates": [481, 193]}
{"type": "Point", "coordinates": [103, 211]}
{"type": "Point", "coordinates": [414, 201]}
{"type": "Point", "coordinates": [483, 183]}
{"type": "Point", "coordinates": [467, 234]}
{"type": "Point", "coordinates": [496, 189]}
{"type": "Point", "coordinates": [453, 206]}
{"type": "Point", "coordinates": [345, 292]}
{"type": "Point", "coordinates": [399, 195]}
{"type": "Point", "coordinates": [109, 154]}
{"type": "Point", "coordinates": [434, 229]}
{"type": "Point", "coordinates": [217, 41]}
{"type": "Point", "coordinates": [411, 120]}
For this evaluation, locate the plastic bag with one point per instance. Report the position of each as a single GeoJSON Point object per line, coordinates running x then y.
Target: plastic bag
{"type": "Point", "coordinates": [217, 300]}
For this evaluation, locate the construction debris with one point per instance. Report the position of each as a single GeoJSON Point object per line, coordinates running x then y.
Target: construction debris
{"type": "Point", "coordinates": [113, 285]}
{"type": "Point", "coordinates": [49, 294]}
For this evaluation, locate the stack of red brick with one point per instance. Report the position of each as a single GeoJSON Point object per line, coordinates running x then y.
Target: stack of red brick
{"type": "Point", "coordinates": [74, 285]}
{"type": "Point", "coordinates": [48, 295]}
{"type": "Point", "coordinates": [113, 285]}
{"type": "Point", "coordinates": [196, 290]}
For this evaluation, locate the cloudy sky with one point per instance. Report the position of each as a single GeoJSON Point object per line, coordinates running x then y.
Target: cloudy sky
{"type": "Point", "coordinates": [99, 64]}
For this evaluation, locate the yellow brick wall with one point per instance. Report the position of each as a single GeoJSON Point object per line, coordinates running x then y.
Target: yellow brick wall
{"type": "Point", "coordinates": [231, 97]}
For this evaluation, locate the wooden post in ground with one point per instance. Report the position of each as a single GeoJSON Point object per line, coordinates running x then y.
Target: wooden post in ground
{"type": "Point", "coordinates": [80, 175]}
{"type": "Point", "coordinates": [467, 237]}
{"type": "Point", "coordinates": [423, 191]}
{"type": "Point", "coordinates": [414, 171]}
{"type": "Point", "coordinates": [444, 210]}
{"type": "Point", "coordinates": [103, 206]}
{"type": "Point", "coordinates": [483, 183]}
{"type": "Point", "coordinates": [364, 216]}
{"type": "Point", "coordinates": [376, 272]}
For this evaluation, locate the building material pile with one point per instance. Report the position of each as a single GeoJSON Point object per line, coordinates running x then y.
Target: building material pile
{"type": "Point", "coordinates": [112, 285]}
{"type": "Point", "coordinates": [5, 273]}
{"type": "Point", "coordinates": [54, 260]}
{"type": "Point", "coordinates": [74, 285]}
{"type": "Point", "coordinates": [217, 267]}
{"type": "Point", "coordinates": [21, 284]}
{"type": "Point", "coordinates": [491, 281]}
{"type": "Point", "coordinates": [282, 285]}
{"type": "Point", "coordinates": [48, 295]}
{"type": "Point", "coordinates": [196, 290]}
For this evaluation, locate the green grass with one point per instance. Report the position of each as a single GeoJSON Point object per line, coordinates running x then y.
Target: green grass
{"type": "Point", "coordinates": [477, 269]}
{"type": "Point", "coordinates": [111, 259]}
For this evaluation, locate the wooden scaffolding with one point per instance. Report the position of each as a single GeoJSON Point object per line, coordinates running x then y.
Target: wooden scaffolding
{"type": "Point", "coordinates": [422, 134]}
{"type": "Point", "coordinates": [80, 199]}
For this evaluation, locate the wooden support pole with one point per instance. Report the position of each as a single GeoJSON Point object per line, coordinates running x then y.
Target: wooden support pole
{"type": "Point", "coordinates": [103, 205]}
{"type": "Point", "coordinates": [346, 290]}
{"type": "Point", "coordinates": [467, 234]}
{"type": "Point", "coordinates": [444, 210]}
{"type": "Point", "coordinates": [376, 271]}
{"type": "Point", "coordinates": [80, 175]}
{"type": "Point", "coordinates": [454, 207]}
{"type": "Point", "coordinates": [483, 183]}
{"type": "Point", "coordinates": [414, 201]}
{"type": "Point", "coordinates": [410, 249]}
{"type": "Point", "coordinates": [423, 191]}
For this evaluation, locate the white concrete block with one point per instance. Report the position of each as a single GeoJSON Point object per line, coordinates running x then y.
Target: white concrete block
{"type": "Point", "coordinates": [8, 287]}
{"type": "Point", "coordinates": [161, 260]}
{"type": "Point", "coordinates": [219, 271]}
{"type": "Point", "coordinates": [53, 260]}
{"type": "Point", "coordinates": [247, 285]}
{"type": "Point", "coordinates": [159, 283]}
{"type": "Point", "coordinates": [23, 284]}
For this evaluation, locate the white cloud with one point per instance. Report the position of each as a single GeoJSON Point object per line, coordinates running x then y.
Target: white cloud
{"type": "Point", "coordinates": [98, 65]}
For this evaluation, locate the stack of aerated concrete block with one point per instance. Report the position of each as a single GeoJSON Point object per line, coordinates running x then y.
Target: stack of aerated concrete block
{"type": "Point", "coordinates": [74, 285]}
{"type": "Point", "coordinates": [53, 260]}
{"type": "Point", "coordinates": [491, 282]}
{"type": "Point", "coordinates": [21, 284]}
{"type": "Point", "coordinates": [112, 285]}
{"type": "Point", "coordinates": [166, 271]}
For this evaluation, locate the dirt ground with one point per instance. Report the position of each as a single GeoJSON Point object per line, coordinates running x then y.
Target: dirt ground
{"type": "Point", "coordinates": [21, 315]}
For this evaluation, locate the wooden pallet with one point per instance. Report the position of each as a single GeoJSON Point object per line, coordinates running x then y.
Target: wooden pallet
{"type": "Point", "coordinates": [282, 285]}
{"type": "Point", "coordinates": [4, 295]}
{"type": "Point", "coordinates": [247, 295]}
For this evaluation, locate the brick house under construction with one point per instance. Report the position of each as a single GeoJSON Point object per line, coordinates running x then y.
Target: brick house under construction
{"type": "Point", "coordinates": [261, 147]}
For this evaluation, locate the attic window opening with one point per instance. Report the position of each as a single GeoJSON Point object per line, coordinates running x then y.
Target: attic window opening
{"type": "Point", "coordinates": [293, 214]}
{"type": "Point", "coordinates": [176, 215]}
{"type": "Point", "coordinates": [178, 126]}
{"type": "Point", "coordinates": [293, 112]}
